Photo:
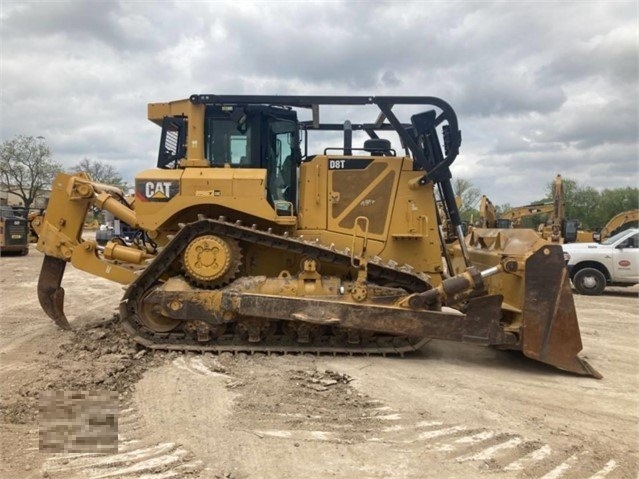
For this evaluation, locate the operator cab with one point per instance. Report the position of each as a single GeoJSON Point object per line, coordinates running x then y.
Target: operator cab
{"type": "Point", "coordinates": [251, 136]}
{"type": "Point", "coordinates": [256, 137]}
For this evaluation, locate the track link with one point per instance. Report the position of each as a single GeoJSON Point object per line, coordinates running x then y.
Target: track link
{"type": "Point", "coordinates": [230, 341]}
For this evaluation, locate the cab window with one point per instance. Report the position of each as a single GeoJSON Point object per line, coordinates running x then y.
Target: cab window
{"type": "Point", "coordinates": [632, 242]}
{"type": "Point", "coordinates": [281, 163]}
{"type": "Point", "coordinates": [225, 144]}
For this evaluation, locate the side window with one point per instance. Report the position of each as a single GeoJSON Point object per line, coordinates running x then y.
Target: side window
{"type": "Point", "coordinates": [632, 242]}
{"type": "Point", "coordinates": [172, 142]}
{"type": "Point", "coordinates": [283, 169]}
{"type": "Point", "coordinates": [225, 144]}
{"type": "Point", "coordinates": [284, 151]}
{"type": "Point", "coordinates": [239, 150]}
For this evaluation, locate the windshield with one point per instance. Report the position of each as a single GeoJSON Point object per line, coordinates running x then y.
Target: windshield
{"type": "Point", "coordinates": [615, 238]}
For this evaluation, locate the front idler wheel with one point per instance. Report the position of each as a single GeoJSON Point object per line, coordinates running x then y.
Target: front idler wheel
{"type": "Point", "coordinates": [150, 315]}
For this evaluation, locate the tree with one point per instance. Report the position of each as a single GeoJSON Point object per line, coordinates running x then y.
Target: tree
{"type": "Point", "coordinates": [100, 172]}
{"type": "Point", "coordinates": [26, 167]}
{"type": "Point", "coordinates": [585, 206]}
{"type": "Point", "coordinates": [501, 209]}
{"type": "Point", "coordinates": [619, 200]}
{"type": "Point", "coordinates": [469, 195]}
{"type": "Point", "coordinates": [592, 208]}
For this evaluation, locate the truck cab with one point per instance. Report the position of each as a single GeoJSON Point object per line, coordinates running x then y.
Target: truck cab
{"type": "Point", "coordinates": [613, 262]}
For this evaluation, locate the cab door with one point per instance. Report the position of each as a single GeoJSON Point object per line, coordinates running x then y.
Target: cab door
{"type": "Point", "coordinates": [625, 259]}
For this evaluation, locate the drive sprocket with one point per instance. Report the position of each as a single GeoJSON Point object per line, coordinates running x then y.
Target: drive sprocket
{"type": "Point", "coordinates": [211, 261]}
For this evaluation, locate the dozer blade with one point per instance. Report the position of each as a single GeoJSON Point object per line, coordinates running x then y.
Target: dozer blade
{"type": "Point", "coordinates": [50, 294]}
{"type": "Point", "coordinates": [551, 332]}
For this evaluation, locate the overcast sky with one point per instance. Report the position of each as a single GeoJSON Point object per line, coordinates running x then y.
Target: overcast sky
{"type": "Point", "coordinates": [540, 88]}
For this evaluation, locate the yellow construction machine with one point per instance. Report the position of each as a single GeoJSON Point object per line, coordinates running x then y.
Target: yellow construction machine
{"type": "Point", "coordinates": [512, 218]}
{"type": "Point", "coordinates": [556, 228]}
{"type": "Point", "coordinates": [248, 241]}
{"type": "Point", "coordinates": [488, 215]}
{"type": "Point", "coordinates": [617, 223]}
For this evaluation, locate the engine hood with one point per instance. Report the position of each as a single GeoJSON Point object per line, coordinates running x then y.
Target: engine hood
{"type": "Point", "coordinates": [584, 247]}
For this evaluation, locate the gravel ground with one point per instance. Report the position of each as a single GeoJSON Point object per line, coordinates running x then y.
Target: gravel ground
{"type": "Point", "coordinates": [449, 410]}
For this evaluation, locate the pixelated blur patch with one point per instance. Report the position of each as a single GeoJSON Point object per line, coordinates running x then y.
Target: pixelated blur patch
{"type": "Point", "coordinates": [79, 421]}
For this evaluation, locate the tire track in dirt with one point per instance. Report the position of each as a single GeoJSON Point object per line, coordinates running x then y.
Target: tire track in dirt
{"type": "Point", "coordinates": [485, 449]}
{"type": "Point", "coordinates": [494, 450]}
{"type": "Point", "coordinates": [137, 457]}
{"type": "Point", "coordinates": [287, 408]}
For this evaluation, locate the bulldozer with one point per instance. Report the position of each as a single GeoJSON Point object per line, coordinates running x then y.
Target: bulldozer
{"type": "Point", "coordinates": [254, 238]}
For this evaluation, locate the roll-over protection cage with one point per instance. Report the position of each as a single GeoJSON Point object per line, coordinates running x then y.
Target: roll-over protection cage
{"type": "Point", "coordinates": [419, 137]}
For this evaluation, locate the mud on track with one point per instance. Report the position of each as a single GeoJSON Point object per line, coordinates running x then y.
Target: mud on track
{"type": "Point", "coordinates": [450, 410]}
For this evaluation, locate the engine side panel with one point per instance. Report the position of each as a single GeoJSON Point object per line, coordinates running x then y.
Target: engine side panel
{"type": "Point", "coordinates": [166, 197]}
{"type": "Point", "coordinates": [336, 193]}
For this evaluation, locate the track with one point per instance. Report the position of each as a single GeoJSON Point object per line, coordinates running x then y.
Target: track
{"type": "Point", "coordinates": [278, 337]}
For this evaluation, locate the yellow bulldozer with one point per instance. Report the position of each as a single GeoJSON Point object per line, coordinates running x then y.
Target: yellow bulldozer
{"type": "Point", "coordinates": [249, 241]}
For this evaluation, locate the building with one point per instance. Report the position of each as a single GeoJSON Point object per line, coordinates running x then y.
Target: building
{"type": "Point", "coordinates": [11, 199]}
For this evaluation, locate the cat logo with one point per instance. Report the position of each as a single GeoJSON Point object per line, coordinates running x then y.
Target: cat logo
{"type": "Point", "coordinates": [160, 190]}
{"type": "Point", "coordinates": [148, 190]}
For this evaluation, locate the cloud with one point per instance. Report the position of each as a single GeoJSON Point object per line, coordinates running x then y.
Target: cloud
{"type": "Point", "coordinates": [115, 24]}
{"type": "Point", "coordinates": [539, 89]}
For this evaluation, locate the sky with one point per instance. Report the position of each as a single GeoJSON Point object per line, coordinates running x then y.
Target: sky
{"type": "Point", "coordinates": [540, 88]}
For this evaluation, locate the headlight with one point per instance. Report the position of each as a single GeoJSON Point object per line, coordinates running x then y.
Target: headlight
{"type": "Point", "coordinates": [566, 256]}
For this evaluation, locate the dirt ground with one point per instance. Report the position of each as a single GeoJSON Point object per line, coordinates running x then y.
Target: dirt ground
{"type": "Point", "coordinates": [450, 410]}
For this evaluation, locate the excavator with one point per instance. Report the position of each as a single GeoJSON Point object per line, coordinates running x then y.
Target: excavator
{"type": "Point", "coordinates": [514, 216]}
{"type": "Point", "coordinates": [488, 215]}
{"type": "Point", "coordinates": [556, 229]}
{"type": "Point", "coordinates": [618, 222]}
{"type": "Point", "coordinates": [489, 218]}
{"type": "Point", "coordinates": [254, 238]}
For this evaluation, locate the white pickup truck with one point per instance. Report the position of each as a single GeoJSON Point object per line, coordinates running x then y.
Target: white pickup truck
{"type": "Point", "coordinates": [614, 261]}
